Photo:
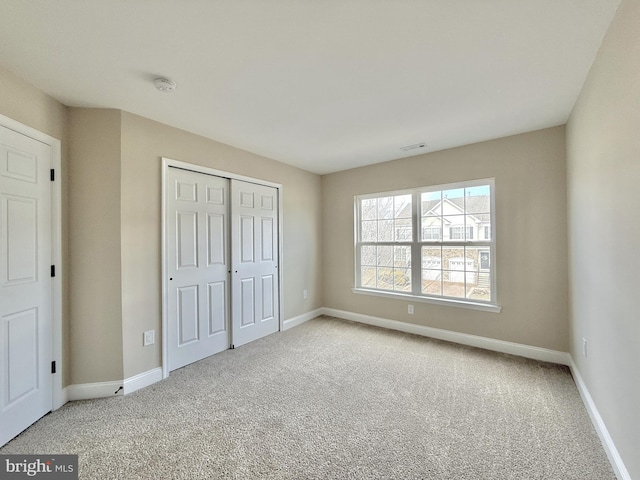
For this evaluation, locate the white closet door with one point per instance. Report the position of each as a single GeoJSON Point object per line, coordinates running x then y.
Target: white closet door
{"type": "Point", "coordinates": [254, 261]}
{"type": "Point", "coordinates": [25, 283]}
{"type": "Point", "coordinates": [197, 220]}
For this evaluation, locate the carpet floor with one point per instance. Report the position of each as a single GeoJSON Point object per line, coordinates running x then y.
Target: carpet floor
{"type": "Point", "coordinates": [332, 399]}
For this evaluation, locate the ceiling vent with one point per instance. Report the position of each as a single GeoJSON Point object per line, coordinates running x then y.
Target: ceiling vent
{"type": "Point", "coordinates": [416, 146]}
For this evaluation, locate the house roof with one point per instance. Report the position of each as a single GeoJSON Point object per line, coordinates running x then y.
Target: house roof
{"type": "Point", "coordinates": [473, 203]}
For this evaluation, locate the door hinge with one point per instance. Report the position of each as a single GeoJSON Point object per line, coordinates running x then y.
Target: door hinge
{"type": "Point", "coordinates": [53, 367]}
{"type": "Point", "coordinates": [53, 175]}
{"type": "Point", "coordinates": [53, 270]}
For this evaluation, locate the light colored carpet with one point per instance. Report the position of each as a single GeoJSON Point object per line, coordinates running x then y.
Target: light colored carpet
{"type": "Point", "coordinates": [335, 399]}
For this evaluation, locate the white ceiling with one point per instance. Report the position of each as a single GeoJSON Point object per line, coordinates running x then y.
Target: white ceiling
{"type": "Point", "coordinates": [324, 85]}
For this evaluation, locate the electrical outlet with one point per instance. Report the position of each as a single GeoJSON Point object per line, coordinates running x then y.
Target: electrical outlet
{"type": "Point", "coordinates": [584, 347]}
{"type": "Point", "coordinates": [410, 309]}
{"type": "Point", "coordinates": [149, 338]}
{"type": "Point", "coordinates": [305, 294]}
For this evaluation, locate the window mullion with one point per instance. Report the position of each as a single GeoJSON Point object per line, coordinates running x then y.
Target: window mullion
{"type": "Point", "coordinates": [416, 260]}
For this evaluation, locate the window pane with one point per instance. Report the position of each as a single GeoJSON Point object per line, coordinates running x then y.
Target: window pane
{"type": "Point", "coordinates": [403, 230]}
{"type": "Point", "coordinates": [386, 219]}
{"type": "Point", "coordinates": [482, 289]}
{"type": "Point", "coordinates": [453, 227]}
{"type": "Point", "coordinates": [385, 278]}
{"type": "Point", "coordinates": [368, 277]}
{"type": "Point", "coordinates": [385, 230]}
{"type": "Point", "coordinates": [452, 287]}
{"type": "Point", "coordinates": [482, 218]}
{"type": "Point", "coordinates": [367, 255]}
{"type": "Point", "coordinates": [432, 270]}
{"type": "Point", "coordinates": [453, 276]}
{"type": "Point", "coordinates": [432, 257]}
{"type": "Point", "coordinates": [481, 224]}
{"type": "Point", "coordinates": [431, 204]}
{"type": "Point", "coordinates": [402, 257]}
{"type": "Point", "coordinates": [402, 279]}
{"type": "Point", "coordinates": [455, 195]}
{"type": "Point", "coordinates": [369, 231]}
{"type": "Point", "coordinates": [478, 273]}
{"type": "Point", "coordinates": [368, 209]}
{"type": "Point", "coordinates": [431, 228]}
{"type": "Point", "coordinates": [385, 257]}
{"type": "Point", "coordinates": [471, 269]}
{"type": "Point", "coordinates": [402, 206]}
{"type": "Point", "coordinates": [432, 282]}
{"type": "Point", "coordinates": [453, 258]}
{"type": "Point", "coordinates": [385, 207]}
{"type": "Point", "coordinates": [478, 199]}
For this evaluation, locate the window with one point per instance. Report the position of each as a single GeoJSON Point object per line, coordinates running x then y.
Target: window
{"type": "Point", "coordinates": [456, 232]}
{"type": "Point", "coordinates": [431, 233]}
{"type": "Point", "coordinates": [386, 232]}
{"type": "Point", "coordinates": [432, 243]}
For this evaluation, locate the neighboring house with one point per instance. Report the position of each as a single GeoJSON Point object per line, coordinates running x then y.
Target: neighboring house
{"type": "Point", "coordinates": [445, 220]}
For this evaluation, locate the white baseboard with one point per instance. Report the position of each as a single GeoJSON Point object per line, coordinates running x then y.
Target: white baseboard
{"type": "Point", "coordinates": [607, 442]}
{"type": "Point", "coordinates": [518, 349]}
{"type": "Point", "coordinates": [305, 317]}
{"type": "Point", "coordinates": [87, 391]}
{"type": "Point", "coordinates": [142, 380]}
{"type": "Point", "coordinates": [527, 351]}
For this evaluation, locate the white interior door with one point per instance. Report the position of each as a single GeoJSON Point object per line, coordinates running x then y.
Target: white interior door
{"type": "Point", "coordinates": [197, 220]}
{"type": "Point", "coordinates": [26, 346]}
{"type": "Point", "coordinates": [254, 236]}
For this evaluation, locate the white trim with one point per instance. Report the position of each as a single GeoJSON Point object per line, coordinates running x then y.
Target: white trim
{"type": "Point", "coordinates": [607, 442]}
{"type": "Point", "coordinates": [142, 380]}
{"type": "Point", "coordinates": [192, 167]}
{"type": "Point", "coordinates": [168, 162]}
{"type": "Point", "coordinates": [300, 319]}
{"type": "Point", "coordinates": [527, 351]}
{"type": "Point", "coordinates": [87, 391]}
{"type": "Point", "coordinates": [449, 302]}
{"type": "Point", "coordinates": [114, 388]}
{"type": "Point", "coordinates": [280, 256]}
{"type": "Point", "coordinates": [58, 395]}
{"type": "Point", "coordinates": [163, 241]}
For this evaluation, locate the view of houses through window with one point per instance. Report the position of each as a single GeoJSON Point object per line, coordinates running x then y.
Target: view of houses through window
{"type": "Point", "coordinates": [431, 242]}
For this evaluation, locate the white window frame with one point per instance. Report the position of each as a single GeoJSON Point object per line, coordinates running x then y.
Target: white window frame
{"type": "Point", "coordinates": [416, 247]}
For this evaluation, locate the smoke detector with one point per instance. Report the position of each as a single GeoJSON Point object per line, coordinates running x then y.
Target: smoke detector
{"type": "Point", "coordinates": [164, 84]}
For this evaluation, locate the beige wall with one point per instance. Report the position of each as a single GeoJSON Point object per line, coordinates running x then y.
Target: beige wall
{"type": "Point", "coordinates": [144, 142]}
{"type": "Point", "coordinates": [603, 150]}
{"type": "Point", "coordinates": [94, 243]}
{"type": "Point", "coordinates": [529, 173]}
{"type": "Point", "coordinates": [25, 104]}
{"type": "Point", "coordinates": [29, 106]}
{"type": "Point", "coordinates": [111, 226]}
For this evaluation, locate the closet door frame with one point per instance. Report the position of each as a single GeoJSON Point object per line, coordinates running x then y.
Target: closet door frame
{"type": "Point", "coordinates": [171, 163]}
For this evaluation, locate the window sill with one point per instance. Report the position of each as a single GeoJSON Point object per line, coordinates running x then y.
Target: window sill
{"type": "Point", "coordinates": [485, 307]}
